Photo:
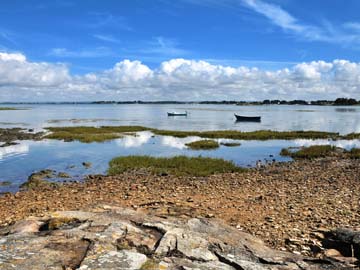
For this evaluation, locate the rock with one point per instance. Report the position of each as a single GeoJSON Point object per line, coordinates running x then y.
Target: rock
{"type": "Point", "coordinates": [8, 144]}
{"type": "Point", "coordinates": [5, 183]}
{"type": "Point", "coordinates": [345, 241]}
{"type": "Point", "coordinates": [87, 164]}
{"type": "Point", "coordinates": [63, 175]}
{"type": "Point", "coordinates": [122, 259]}
{"type": "Point", "coordinates": [34, 252]}
{"type": "Point", "coordinates": [143, 239]}
{"type": "Point", "coordinates": [332, 253]}
{"type": "Point", "coordinates": [26, 226]}
{"type": "Point", "coordinates": [38, 179]}
{"type": "Point", "coordinates": [118, 238]}
{"type": "Point", "coordinates": [10, 135]}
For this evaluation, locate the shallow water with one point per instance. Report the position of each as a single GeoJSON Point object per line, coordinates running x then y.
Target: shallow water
{"type": "Point", "coordinates": [201, 117]}
{"type": "Point", "coordinates": [19, 161]}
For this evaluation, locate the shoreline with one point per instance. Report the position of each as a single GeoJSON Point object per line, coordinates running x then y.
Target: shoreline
{"type": "Point", "coordinates": [285, 204]}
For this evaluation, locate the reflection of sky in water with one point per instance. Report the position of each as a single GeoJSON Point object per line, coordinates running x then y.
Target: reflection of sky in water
{"type": "Point", "coordinates": [19, 161]}
{"type": "Point", "coordinates": [134, 141]}
{"type": "Point", "coordinates": [177, 142]}
{"type": "Point", "coordinates": [12, 150]}
{"type": "Point", "coordinates": [201, 117]}
{"type": "Point", "coordinates": [346, 144]}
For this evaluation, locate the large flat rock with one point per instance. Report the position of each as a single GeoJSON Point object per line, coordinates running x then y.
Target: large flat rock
{"type": "Point", "coordinates": [116, 238]}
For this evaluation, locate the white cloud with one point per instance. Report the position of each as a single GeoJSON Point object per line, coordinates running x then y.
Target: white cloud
{"type": "Point", "coordinates": [163, 46]}
{"type": "Point", "coordinates": [85, 53]}
{"type": "Point", "coordinates": [16, 71]}
{"type": "Point", "coordinates": [276, 14]}
{"type": "Point", "coordinates": [176, 79]}
{"type": "Point", "coordinates": [107, 20]}
{"type": "Point", "coordinates": [345, 35]}
{"type": "Point", "coordinates": [107, 38]}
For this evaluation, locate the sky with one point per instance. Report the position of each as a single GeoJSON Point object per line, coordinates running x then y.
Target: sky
{"type": "Point", "coordinates": [86, 50]}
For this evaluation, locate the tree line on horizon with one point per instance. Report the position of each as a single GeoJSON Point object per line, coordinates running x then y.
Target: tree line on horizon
{"type": "Point", "coordinates": [336, 102]}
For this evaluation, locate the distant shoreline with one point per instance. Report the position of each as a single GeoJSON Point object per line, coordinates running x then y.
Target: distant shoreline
{"type": "Point", "coordinates": [336, 102]}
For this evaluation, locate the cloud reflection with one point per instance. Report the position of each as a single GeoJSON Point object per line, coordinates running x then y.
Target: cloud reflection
{"type": "Point", "coordinates": [179, 143]}
{"type": "Point", "coordinates": [346, 144]}
{"type": "Point", "coordinates": [14, 150]}
{"type": "Point", "coordinates": [135, 141]}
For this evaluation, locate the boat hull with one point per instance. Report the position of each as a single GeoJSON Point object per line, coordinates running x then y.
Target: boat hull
{"type": "Point", "coordinates": [177, 114]}
{"type": "Point", "coordinates": [240, 118]}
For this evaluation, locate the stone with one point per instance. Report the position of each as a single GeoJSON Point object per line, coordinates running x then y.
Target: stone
{"type": "Point", "coordinates": [344, 240]}
{"type": "Point", "coordinates": [26, 226]}
{"type": "Point", "coordinates": [5, 183]}
{"type": "Point", "coordinates": [63, 175]}
{"type": "Point", "coordinates": [117, 238]}
{"type": "Point", "coordinates": [110, 260]}
{"type": "Point", "coordinates": [87, 164]}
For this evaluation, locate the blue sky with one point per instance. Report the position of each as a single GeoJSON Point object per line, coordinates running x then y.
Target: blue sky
{"type": "Point", "coordinates": [88, 38]}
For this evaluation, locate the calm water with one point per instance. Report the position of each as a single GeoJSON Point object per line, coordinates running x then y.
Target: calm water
{"type": "Point", "coordinates": [201, 117]}
{"type": "Point", "coordinates": [19, 161]}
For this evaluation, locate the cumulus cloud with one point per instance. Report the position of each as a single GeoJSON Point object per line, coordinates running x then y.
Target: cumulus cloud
{"type": "Point", "coordinates": [16, 71]}
{"type": "Point", "coordinates": [176, 79]}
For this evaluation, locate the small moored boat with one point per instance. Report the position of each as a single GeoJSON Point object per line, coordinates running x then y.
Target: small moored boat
{"type": "Point", "coordinates": [242, 118]}
{"type": "Point", "coordinates": [177, 113]}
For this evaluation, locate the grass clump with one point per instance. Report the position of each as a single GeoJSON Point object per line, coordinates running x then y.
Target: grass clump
{"type": "Point", "coordinates": [351, 136]}
{"type": "Point", "coordinates": [354, 153]}
{"type": "Point", "coordinates": [252, 135]}
{"type": "Point", "coordinates": [91, 134]}
{"type": "Point", "coordinates": [179, 165]}
{"type": "Point", "coordinates": [314, 151]}
{"type": "Point", "coordinates": [10, 109]}
{"type": "Point", "coordinates": [203, 145]}
{"type": "Point", "coordinates": [103, 133]}
{"type": "Point", "coordinates": [318, 151]}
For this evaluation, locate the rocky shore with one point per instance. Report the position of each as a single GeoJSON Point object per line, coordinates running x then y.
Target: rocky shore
{"type": "Point", "coordinates": [290, 206]}
{"type": "Point", "coordinates": [9, 136]}
{"type": "Point", "coordinates": [109, 237]}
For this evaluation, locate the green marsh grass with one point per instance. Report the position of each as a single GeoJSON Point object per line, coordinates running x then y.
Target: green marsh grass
{"type": "Point", "coordinates": [314, 151]}
{"type": "Point", "coordinates": [179, 165]}
{"type": "Point", "coordinates": [354, 153]}
{"type": "Point", "coordinates": [351, 136]}
{"type": "Point", "coordinates": [10, 109]}
{"type": "Point", "coordinates": [103, 133]}
{"type": "Point", "coordinates": [203, 145]}
{"type": "Point", "coordinates": [252, 135]}
{"type": "Point", "coordinates": [91, 134]}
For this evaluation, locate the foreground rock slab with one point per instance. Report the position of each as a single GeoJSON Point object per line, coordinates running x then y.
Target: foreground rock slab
{"type": "Point", "coordinates": [117, 238]}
